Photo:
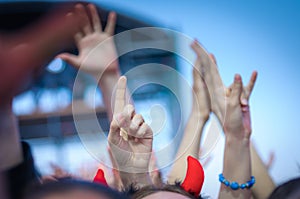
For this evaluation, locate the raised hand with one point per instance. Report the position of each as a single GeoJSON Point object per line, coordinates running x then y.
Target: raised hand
{"type": "Point", "coordinates": [201, 100]}
{"type": "Point", "coordinates": [130, 140]}
{"type": "Point", "coordinates": [218, 94]}
{"type": "Point", "coordinates": [237, 121]}
{"type": "Point", "coordinates": [216, 88]}
{"type": "Point", "coordinates": [97, 51]}
{"type": "Point", "coordinates": [237, 128]}
{"type": "Point", "coordinates": [189, 145]}
{"type": "Point", "coordinates": [213, 81]}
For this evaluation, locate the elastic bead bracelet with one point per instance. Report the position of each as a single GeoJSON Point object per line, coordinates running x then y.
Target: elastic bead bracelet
{"type": "Point", "coordinates": [235, 185]}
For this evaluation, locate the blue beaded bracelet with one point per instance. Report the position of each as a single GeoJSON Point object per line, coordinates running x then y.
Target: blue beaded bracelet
{"type": "Point", "coordinates": [235, 185]}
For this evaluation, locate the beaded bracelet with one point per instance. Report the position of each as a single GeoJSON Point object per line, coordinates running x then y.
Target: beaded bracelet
{"type": "Point", "coordinates": [235, 185]}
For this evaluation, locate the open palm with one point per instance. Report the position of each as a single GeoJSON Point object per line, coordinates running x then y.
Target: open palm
{"type": "Point", "coordinates": [97, 51]}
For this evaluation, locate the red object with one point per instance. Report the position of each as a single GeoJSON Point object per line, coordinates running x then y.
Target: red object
{"type": "Point", "coordinates": [100, 178]}
{"type": "Point", "coordinates": [194, 179]}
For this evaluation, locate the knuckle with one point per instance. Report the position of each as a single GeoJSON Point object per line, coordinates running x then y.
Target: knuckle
{"type": "Point", "coordinates": [113, 123]}
{"type": "Point", "coordinates": [129, 110]}
{"type": "Point", "coordinates": [139, 117]}
{"type": "Point", "coordinates": [129, 107]}
{"type": "Point", "coordinates": [121, 120]}
{"type": "Point", "coordinates": [133, 127]}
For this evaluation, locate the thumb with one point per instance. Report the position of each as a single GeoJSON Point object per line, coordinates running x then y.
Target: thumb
{"type": "Point", "coordinates": [70, 59]}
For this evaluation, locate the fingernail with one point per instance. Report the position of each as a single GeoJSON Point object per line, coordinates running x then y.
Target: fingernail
{"type": "Point", "coordinates": [244, 101]}
{"type": "Point", "coordinates": [237, 78]}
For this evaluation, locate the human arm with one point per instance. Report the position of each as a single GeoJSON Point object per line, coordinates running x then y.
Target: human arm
{"type": "Point", "coordinates": [16, 161]}
{"type": "Point", "coordinates": [237, 129]}
{"type": "Point", "coordinates": [217, 92]}
{"type": "Point", "coordinates": [199, 115]}
{"type": "Point", "coordinates": [264, 184]}
{"type": "Point", "coordinates": [97, 52]}
{"type": "Point", "coordinates": [130, 141]}
{"type": "Point", "coordinates": [10, 145]}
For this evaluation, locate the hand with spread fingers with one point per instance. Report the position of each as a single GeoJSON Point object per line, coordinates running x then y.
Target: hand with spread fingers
{"type": "Point", "coordinates": [97, 51]}
{"type": "Point", "coordinates": [130, 140]}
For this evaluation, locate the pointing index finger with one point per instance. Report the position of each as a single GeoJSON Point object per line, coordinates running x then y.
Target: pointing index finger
{"type": "Point", "coordinates": [120, 96]}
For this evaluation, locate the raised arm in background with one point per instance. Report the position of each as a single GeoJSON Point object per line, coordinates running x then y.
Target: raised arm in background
{"type": "Point", "coordinates": [189, 146]}
{"type": "Point", "coordinates": [97, 52]}
{"type": "Point", "coordinates": [264, 184]}
{"type": "Point", "coordinates": [237, 129]}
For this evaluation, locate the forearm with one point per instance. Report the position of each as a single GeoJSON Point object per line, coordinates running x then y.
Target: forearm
{"type": "Point", "coordinates": [237, 167]}
{"type": "Point", "coordinates": [189, 146]}
{"type": "Point", "coordinates": [10, 145]}
{"type": "Point", "coordinates": [264, 183]}
{"type": "Point", "coordinates": [107, 83]}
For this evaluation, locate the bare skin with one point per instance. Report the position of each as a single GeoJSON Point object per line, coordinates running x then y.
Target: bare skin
{"type": "Point", "coordinates": [190, 143]}
{"type": "Point", "coordinates": [97, 52]}
{"type": "Point", "coordinates": [237, 129]}
{"type": "Point", "coordinates": [218, 92]}
{"type": "Point", "coordinates": [98, 57]}
{"type": "Point", "coordinates": [130, 140]}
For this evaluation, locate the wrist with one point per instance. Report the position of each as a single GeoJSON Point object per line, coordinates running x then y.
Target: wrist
{"type": "Point", "coordinates": [238, 141]}
{"type": "Point", "coordinates": [240, 135]}
{"type": "Point", "coordinates": [107, 77]}
{"type": "Point", "coordinates": [198, 115]}
{"type": "Point", "coordinates": [111, 70]}
{"type": "Point", "coordinates": [139, 179]}
{"type": "Point", "coordinates": [237, 160]}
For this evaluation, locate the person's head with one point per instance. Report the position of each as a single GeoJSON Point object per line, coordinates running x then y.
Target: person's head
{"type": "Point", "coordinates": [72, 189]}
{"type": "Point", "coordinates": [288, 190]}
{"type": "Point", "coordinates": [166, 191]}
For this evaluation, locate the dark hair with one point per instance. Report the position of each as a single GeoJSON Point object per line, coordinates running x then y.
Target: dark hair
{"type": "Point", "coordinates": [138, 193]}
{"type": "Point", "coordinates": [68, 185]}
{"type": "Point", "coordinates": [289, 189]}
